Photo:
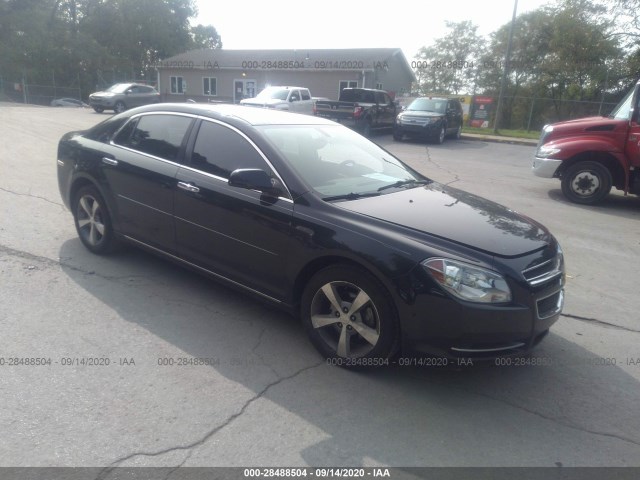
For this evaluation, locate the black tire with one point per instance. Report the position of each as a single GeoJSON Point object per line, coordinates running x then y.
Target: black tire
{"type": "Point", "coordinates": [98, 109]}
{"type": "Point", "coordinates": [458, 133]}
{"type": "Point", "coordinates": [586, 183]}
{"type": "Point", "coordinates": [366, 336]}
{"type": "Point", "coordinates": [397, 136]}
{"type": "Point", "coordinates": [119, 107]}
{"type": "Point", "coordinates": [92, 220]}
{"type": "Point", "coordinates": [442, 133]}
{"type": "Point", "coordinates": [366, 128]}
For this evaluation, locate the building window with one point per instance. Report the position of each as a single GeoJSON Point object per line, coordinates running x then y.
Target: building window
{"type": "Point", "coordinates": [209, 86]}
{"type": "Point", "coordinates": [178, 85]}
{"type": "Point", "coordinates": [348, 84]}
{"type": "Point", "coordinates": [379, 86]}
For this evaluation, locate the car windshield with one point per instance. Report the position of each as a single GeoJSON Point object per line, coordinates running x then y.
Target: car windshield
{"type": "Point", "coordinates": [336, 161]}
{"type": "Point", "coordinates": [623, 109]}
{"type": "Point", "coordinates": [118, 87]}
{"type": "Point", "coordinates": [428, 105]}
{"type": "Point", "coordinates": [273, 93]}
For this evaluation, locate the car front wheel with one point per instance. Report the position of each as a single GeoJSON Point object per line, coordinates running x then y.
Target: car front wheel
{"type": "Point", "coordinates": [439, 138]}
{"type": "Point", "coordinates": [349, 317]}
{"type": "Point", "coordinates": [586, 183]}
{"type": "Point", "coordinates": [92, 220]}
{"type": "Point", "coordinates": [98, 109]}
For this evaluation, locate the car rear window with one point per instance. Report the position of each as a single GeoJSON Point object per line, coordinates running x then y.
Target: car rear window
{"type": "Point", "coordinates": [157, 135]}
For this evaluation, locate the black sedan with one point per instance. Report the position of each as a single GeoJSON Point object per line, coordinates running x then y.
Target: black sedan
{"type": "Point", "coordinates": [313, 217]}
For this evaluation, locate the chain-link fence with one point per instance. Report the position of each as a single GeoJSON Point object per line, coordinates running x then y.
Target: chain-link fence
{"type": "Point", "coordinates": [531, 113]}
{"type": "Point", "coordinates": [36, 94]}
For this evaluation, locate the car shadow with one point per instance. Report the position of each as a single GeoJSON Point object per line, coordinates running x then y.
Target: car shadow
{"type": "Point", "coordinates": [398, 415]}
{"type": "Point", "coordinates": [615, 204]}
{"type": "Point", "coordinates": [448, 144]}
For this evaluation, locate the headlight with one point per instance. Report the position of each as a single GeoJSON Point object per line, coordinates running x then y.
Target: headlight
{"type": "Point", "coordinates": [467, 282]}
{"type": "Point", "coordinates": [546, 151]}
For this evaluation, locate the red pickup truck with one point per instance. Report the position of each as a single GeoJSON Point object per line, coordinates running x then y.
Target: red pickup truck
{"type": "Point", "coordinates": [590, 155]}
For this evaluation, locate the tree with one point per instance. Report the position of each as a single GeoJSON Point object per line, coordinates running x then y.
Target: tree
{"type": "Point", "coordinates": [91, 42]}
{"type": "Point", "coordinates": [449, 66]}
{"type": "Point", "coordinates": [205, 37]}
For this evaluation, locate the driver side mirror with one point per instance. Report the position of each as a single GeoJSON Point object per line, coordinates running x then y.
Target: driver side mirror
{"type": "Point", "coordinates": [255, 179]}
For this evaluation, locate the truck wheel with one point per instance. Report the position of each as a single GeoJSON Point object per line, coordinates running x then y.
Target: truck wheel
{"type": "Point", "coordinates": [586, 183]}
{"type": "Point", "coordinates": [439, 138]}
{"type": "Point", "coordinates": [366, 129]}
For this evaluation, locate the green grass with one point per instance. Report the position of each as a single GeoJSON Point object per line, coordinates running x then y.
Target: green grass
{"type": "Point", "coordinates": [503, 132]}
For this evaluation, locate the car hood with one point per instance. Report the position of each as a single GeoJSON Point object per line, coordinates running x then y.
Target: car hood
{"type": "Point", "coordinates": [262, 103]}
{"type": "Point", "coordinates": [420, 113]}
{"type": "Point", "coordinates": [103, 94]}
{"type": "Point", "coordinates": [457, 216]}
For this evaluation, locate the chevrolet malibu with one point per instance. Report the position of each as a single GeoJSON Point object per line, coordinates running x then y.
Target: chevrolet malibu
{"type": "Point", "coordinates": [372, 256]}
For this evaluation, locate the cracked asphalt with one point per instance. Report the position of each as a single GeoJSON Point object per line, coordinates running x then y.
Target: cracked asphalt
{"type": "Point", "coordinates": [266, 398]}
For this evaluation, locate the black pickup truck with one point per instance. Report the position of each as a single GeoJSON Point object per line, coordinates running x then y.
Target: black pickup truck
{"type": "Point", "coordinates": [363, 109]}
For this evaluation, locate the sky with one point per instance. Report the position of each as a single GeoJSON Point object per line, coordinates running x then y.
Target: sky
{"type": "Point", "coordinates": [289, 24]}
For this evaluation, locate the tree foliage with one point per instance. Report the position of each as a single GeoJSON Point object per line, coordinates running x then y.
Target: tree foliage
{"type": "Point", "coordinates": [449, 65]}
{"type": "Point", "coordinates": [567, 51]}
{"type": "Point", "coordinates": [89, 43]}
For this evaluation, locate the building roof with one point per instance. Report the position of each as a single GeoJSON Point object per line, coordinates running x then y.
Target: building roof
{"type": "Point", "coordinates": [356, 59]}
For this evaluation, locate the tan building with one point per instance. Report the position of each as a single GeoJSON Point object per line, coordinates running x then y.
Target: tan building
{"type": "Point", "coordinates": [231, 75]}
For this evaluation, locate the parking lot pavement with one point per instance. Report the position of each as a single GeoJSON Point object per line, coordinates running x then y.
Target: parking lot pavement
{"type": "Point", "coordinates": [152, 365]}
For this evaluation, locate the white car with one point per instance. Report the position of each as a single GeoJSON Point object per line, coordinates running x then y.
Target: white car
{"type": "Point", "coordinates": [293, 99]}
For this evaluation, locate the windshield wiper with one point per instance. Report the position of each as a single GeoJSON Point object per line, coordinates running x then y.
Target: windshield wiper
{"type": "Point", "coordinates": [351, 196]}
{"type": "Point", "coordinates": [402, 183]}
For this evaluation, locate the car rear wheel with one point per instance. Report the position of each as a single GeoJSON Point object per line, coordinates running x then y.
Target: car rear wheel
{"type": "Point", "coordinates": [586, 183]}
{"type": "Point", "coordinates": [119, 107]}
{"type": "Point", "coordinates": [98, 109]}
{"type": "Point", "coordinates": [92, 220]}
{"type": "Point", "coordinates": [458, 133]}
{"type": "Point", "coordinates": [349, 317]}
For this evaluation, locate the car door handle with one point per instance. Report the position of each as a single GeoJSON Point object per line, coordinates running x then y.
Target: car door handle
{"type": "Point", "coordinates": [110, 161]}
{"type": "Point", "coordinates": [189, 187]}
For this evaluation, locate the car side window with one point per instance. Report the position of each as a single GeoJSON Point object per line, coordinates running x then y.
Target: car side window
{"type": "Point", "coordinates": [305, 94]}
{"type": "Point", "coordinates": [157, 135]}
{"type": "Point", "coordinates": [295, 96]}
{"type": "Point", "coordinates": [220, 150]}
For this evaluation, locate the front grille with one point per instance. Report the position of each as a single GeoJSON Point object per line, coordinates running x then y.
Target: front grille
{"type": "Point", "coordinates": [544, 272]}
{"type": "Point", "coordinates": [549, 306]}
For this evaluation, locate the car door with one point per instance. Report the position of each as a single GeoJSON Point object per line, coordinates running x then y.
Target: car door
{"type": "Point", "coordinates": [294, 101]}
{"type": "Point", "coordinates": [234, 232]}
{"type": "Point", "coordinates": [454, 115]}
{"type": "Point", "coordinates": [140, 166]}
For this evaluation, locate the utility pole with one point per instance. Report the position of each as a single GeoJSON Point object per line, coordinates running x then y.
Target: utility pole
{"type": "Point", "coordinates": [503, 82]}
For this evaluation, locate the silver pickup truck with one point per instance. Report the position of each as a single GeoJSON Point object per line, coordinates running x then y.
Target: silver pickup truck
{"type": "Point", "coordinates": [293, 99]}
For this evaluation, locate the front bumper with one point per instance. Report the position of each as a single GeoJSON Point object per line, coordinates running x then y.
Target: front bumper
{"type": "Point", "coordinates": [545, 167]}
{"type": "Point", "coordinates": [101, 102]}
{"type": "Point", "coordinates": [435, 323]}
{"type": "Point", "coordinates": [418, 129]}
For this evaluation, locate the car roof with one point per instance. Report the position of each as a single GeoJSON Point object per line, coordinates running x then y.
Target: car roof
{"type": "Point", "coordinates": [249, 115]}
